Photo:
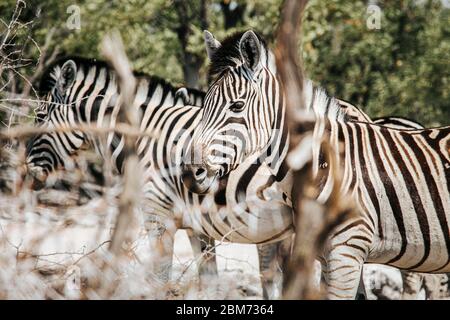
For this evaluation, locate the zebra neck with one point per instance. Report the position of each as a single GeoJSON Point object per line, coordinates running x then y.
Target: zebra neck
{"type": "Point", "coordinates": [329, 119]}
{"type": "Point", "coordinates": [339, 138]}
{"type": "Point", "coordinates": [273, 154]}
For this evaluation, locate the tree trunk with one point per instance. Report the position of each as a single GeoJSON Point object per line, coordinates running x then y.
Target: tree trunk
{"type": "Point", "coordinates": [191, 62]}
{"type": "Point", "coordinates": [232, 16]}
{"type": "Point", "coordinates": [191, 67]}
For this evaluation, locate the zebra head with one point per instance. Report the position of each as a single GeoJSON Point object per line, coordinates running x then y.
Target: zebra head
{"type": "Point", "coordinates": [242, 112]}
{"type": "Point", "coordinates": [50, 150]}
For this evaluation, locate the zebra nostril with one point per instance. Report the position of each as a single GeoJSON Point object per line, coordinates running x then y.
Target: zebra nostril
{"type": "Point", "coordinates": [200, 173]}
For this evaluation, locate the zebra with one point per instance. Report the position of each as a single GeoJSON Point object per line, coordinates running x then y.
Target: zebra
{"type": "Point", "coordinates": [435, 286]}
{"type": "Point", "coordinates": [83, 91]}
{"type": "Point", "coordinates": [399, 179]}
{"type": "Point", "coordinates": [413, 282]}
{"type": "Point", "coordinates": [79, 90]}
{"type": "Point", "coordinates": [352, 113]}
{"type": "Point", "coordinates": [270, 256]}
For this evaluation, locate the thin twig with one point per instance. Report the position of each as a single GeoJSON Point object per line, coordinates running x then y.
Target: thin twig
{"type": "Point", "coordinates": [25, 131]}
{"type": "Point", "coordinates": [113, 49]}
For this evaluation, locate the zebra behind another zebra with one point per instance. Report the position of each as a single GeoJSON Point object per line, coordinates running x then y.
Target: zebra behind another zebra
{"type": "Point", "coordinates": [81, 91]}
{"type": "Point", "coordinates": [400, 179]}
{"type": "Point", "coordinates": [41, 114]}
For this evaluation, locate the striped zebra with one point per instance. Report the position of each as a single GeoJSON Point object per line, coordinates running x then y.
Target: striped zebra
{"type": "Point", "coordinates": [434, 286]}
{"type": "Point", "coordinates": [399, 179]}
{"type": "Point", "coordinates": [84, 91]}
{"type": "Point", "coordinates": [80, 91]}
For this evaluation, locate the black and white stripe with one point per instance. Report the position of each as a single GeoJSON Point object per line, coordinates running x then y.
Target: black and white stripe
{"type": "Point", "coordinates": [82, 91]}
{"type": "Point", "coordinates": [398, 123]}
{"type": "Point", "coordinates": [399, 179]}
{"type": "Point", "coordinates": [239, 143]}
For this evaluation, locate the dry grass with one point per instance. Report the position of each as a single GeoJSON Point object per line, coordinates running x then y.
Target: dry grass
{"type": "Point", "coordinates": [54, 244]}
{"type": "Point", "coordinates": [83, 236]}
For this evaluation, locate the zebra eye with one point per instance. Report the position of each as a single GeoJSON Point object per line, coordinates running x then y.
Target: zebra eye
{"type": "Point", "coordinates": [40, 117]}
{"type": "Point", "coordinates": [237, 106]}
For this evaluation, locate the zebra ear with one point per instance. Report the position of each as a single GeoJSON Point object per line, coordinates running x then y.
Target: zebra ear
{"type": "Point", "coordinates": [66, 76]}
{"type": "Point", "coordinates": [250, 48]}
{"type": "Point", "coordinates": [183, 94]}
{"type": "Point", "coordinates": [212, 44]}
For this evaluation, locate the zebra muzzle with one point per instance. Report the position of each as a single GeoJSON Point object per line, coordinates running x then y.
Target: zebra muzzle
{"type": "Point", "coordinates": [197, 175]}
{"type": "Point", "coordinates": [198, 179]}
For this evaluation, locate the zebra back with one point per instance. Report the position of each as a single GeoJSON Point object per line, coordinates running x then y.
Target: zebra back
{"type": "Point", "coordinates": [398, 123]}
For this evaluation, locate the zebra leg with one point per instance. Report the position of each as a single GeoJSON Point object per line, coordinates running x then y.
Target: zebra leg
{"type": "Point", "coordinates": [272, 258]}
{"type": "Point", "coordinates": [269, 269]}
{"type": "Point", "coordinates": [205, 255]}
{"type": "Point", "coordinates": [343, 264]}
{"type": "Point", "coordinates": [341, 275]}
{"type": "Point", "coordinates": [361, 293]}
{"type": "Point", "coordinates": [161, 243]}
{"type": "Point", "coordinates": [412, 283]}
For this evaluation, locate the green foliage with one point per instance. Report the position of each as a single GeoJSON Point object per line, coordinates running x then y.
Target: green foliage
{"type": "Point", "coordinates": [400, 69]}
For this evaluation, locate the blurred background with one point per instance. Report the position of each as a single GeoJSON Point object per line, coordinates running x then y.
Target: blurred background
{"type": "Point", "coordinates": [396, 66]}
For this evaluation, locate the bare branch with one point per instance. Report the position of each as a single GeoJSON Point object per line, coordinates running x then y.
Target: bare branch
{"type": "Point", "coordinates": [113, 49]}
{"type": "Point", "coordinates": [22, 132]}
{"type": "Point", "coordinates": [314, 221]}
{"type": "Point", "coordinates": [42, 62]}
{"type": "Point", "coordinates": [288, 59]}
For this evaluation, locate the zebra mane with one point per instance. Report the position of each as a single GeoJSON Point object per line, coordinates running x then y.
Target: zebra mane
{"type": "Point", "coordinates": [51, 74]}
{"type": "Point", "coordinates": [323, 105]}
{"type": "Point", "coordinates": [227, 55]}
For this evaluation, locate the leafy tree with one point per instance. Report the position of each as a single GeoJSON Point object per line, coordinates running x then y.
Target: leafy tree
{"type": "Point", "coordinates": [401, 68]}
